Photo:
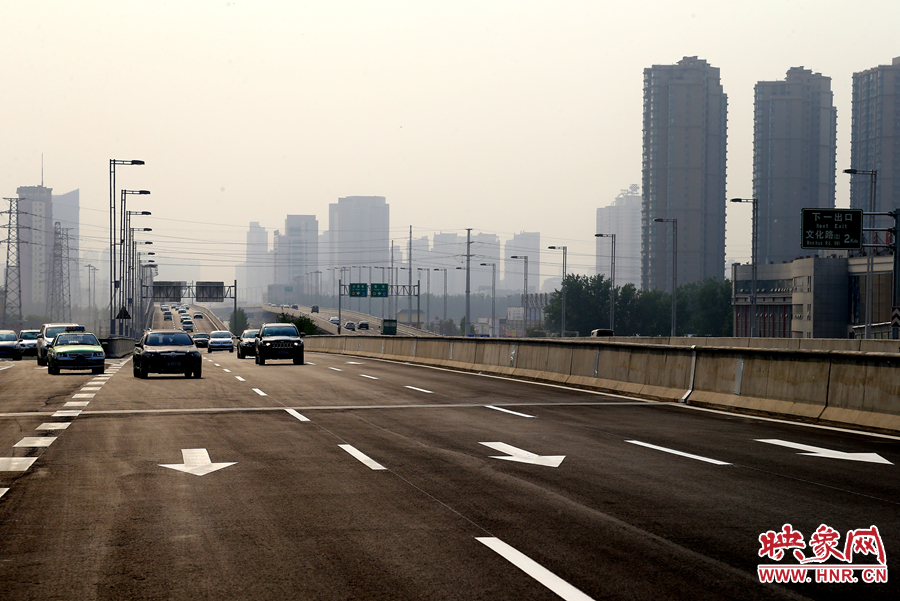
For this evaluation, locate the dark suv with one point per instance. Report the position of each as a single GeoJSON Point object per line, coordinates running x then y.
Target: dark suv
{"type": "Point", "coordinates": [279, 341]}
{"type": "Point", "coordinates": [166, 352]}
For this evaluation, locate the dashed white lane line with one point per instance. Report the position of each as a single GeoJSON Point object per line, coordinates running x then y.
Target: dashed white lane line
{"type": "Point", "coordinates": [90, 389]}
{"type": "Point", "coordinates": [66, 413]}
{"type": "Point", "coordinates": [302, 418]}
{"type": "Point", "coordinates": [227, 371]}
{"type": "Point", "coordinates": [240, 379]}
{"type": "Point", "coordinates": [508, 411]}
{"type": "Point", "coordinates": [16, 464]}
{"type": "Point", "coordinates": [217, 365]}
{"type": "Point", "coordinates": [362, 457]}
{"type": "Point", "coordinates": [335, 369]}
{"type": "Point", "coordinates": [53, 426]}
{"type": "Point", "coordinates": [534, 569]}
{"type": "Point", "coordinates": [77, 404]}
{"type": "Point", "coordinates": [419, 389]}
{"type": "Point", "coordinates": [308, 363]}
{"type": "Point", "coordinates": [259, 392]}
{"type": "Point", "coordinates": [674, 452]}
{"type": "Point", "coordinates": [370, 377]}
{"type": "Point", "coordinates": [33, 442]}
{"type": "Point", "coordinates": [83, 395]}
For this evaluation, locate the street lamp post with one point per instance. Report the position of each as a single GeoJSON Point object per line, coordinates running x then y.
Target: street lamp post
{"type": "Point", "coordinates": [524, 296]}
{"type": "Point", "coordinates": [123, 248]}
{"type": "Point", "coordinates": [612, 281]}
{"type": "Point", "coordinates": [493, 297]}
{"type": "Point", "coordinates": [562, 328]}
{"type": "Point", "coordinates": [674, 223]}
{"type": "Point", "coordinates": [112, 238]}
{"type": "Point", "coordinates": [754, 261]}
{"type": "Point", "coordinates": [870, 254]}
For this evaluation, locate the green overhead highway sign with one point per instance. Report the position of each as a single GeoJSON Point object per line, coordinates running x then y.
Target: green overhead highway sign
{"type": "Point", "coordinates": [357, 290]}
{"type": "Point", "coordinates": [380, 290]}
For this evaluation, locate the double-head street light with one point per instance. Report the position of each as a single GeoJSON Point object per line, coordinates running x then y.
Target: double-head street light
{"type": "Point", "coordinates": [113, 163]}
{"type": "Point", "coordinates": [754, 260]}
{"type": "Point", "coordinates": [493, 296]}
{"type": "Point", "coordinates": [524, 296]}
{"type": "Point", "coordinates": [562, 327]}
{"type": "Point", "coordinates": [870, 253]}
{"type": "Point", "coordinates": [674, 223]}
{"type": "Point", "coordinates": [123, 249]}
{"type": "Point", "coordinates": [612, 281]}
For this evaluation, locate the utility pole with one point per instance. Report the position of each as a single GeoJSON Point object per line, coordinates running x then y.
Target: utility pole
{"type": "Point", "coordinates": [468, 278]}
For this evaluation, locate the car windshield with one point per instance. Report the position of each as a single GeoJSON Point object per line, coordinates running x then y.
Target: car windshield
{"type": "Point", "coordinates": [51, 332]}
{"type": "Point", "coordinates": [29, 335]}
{"type": "Point", "coordinates": [169, 339]}
{"type": "Point", "coordinates": [71, 339]}
{"type": "Point", "coordinates": [280, 331]}
{"type": "Point", "coordinates": [249, 333]}
{"type": "Point", "coordinates": [221, 334]}
{"type": "Point", "coordinates": [8, 337]}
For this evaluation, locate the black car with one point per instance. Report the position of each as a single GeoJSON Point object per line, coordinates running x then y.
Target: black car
{"type": "Point", "coordinates": [279, 341]}
{"type": "Point", "coordinates": [247, 344]}
{"type": "Point", "coordinates": [166, 352]}
{"type": "Point", "coordinates": [9, 345]}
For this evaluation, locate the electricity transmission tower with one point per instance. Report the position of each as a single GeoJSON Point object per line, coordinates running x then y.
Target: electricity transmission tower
{"type": "Point", "coordinates": [60, 290]}
{"type": "Point", "coordinates": [12, 307]}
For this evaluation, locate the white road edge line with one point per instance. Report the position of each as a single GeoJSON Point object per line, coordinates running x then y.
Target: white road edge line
{"type": "Point", "coordinates": [302, 418]}
{"type": "Point", "coordinates": [533, 569]}
{"type": "Point", "coordinates": [674, 452]}
{"type": "Point", "coordinates": [362, 457]}
{"type": "Point", "coordinates": [259, 392]}
{"type": "Point", "coordinates": [508, 411]}
{"type": "Point", "coordinates": [419, 389]}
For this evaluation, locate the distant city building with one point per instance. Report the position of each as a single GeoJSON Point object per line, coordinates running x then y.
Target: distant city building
{"type": "Point", "coordinates": [358, 233]}
{"type": "Point", "coordinates": [257, 271]}
{"type": "Point", "coordinates": [297, 252]}
{"type": "Point", "coordinates": [794, 158]}
{"type": "Point", "coordinates": [875, 138]}
{"type": "Point", "coordinates": [622, 218]}
{"type": "Point", "coordinates": [684, 138]}
{"type": "Point", "coordinates": [526, 244]}
{"type": "Point", "coordinates": [35, 246]}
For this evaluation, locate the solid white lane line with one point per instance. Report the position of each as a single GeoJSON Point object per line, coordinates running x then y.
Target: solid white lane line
{"type": "Point", "coordinates": [77, 404]}
{"type": "Point", "coordinates": [2, 367]}
{"type": "Point", "coordinates": [83, 395]}
{"type": "Point", "coordinates": [335, 369]}
{"type": "Point", "coordinates": [259, 392]}
{"type": "Point", "coordinates": [33, 442]}
{"type": "Point", "coordinates": [53, 426]}
{"type": "Point", "coordinates": [302, 418]}
{"type": "Point", "coordinates": [533, 569]}
{"type": "Point", "coordinates": [362, 457]}
{"type": "Point", "coordinates": [240, 379]}
{"type": "Point", "coordinates": [370, 377]}
{"type": "Point", "coordinates": [507, 411]}
{"type": "Point", "coordinates": [67, 413]}
{"type": "Point", "coordinates": [419, 389]}
{"type": "Point", "coordinates": [674, 452]}
{"type": "Point", "coordinates": [227, 371]}
{"type": "Point", "coordinates": [16, 464]}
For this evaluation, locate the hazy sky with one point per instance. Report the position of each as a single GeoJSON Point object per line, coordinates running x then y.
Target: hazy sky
{"type": "Point", "coordinates": [501, 116]}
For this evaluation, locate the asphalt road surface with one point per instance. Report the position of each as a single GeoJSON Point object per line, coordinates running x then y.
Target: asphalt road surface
{"type": "Point", "coordinates": [351, 478]}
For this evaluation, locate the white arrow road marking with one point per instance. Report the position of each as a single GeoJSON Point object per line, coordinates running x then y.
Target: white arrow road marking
{"type": "Point", "coordinates": [196, 461]}
{"type": "Point", "coordinates": [820, 452]}
{"type": "Point", "coordinates": [365, 459]}
{"type": "Point", "coordinates": [31, 442]}
{"type": "Point", "coordinates": [674, 452]}
{"type": "Point", "coordinates": [507, 411]}
{"type": "Point", "coordinates": [299, 416]}
{"type": "Point", "coordinates": [419, 389]}
{"type": "Point", "coordinates": [534, 569]}
{"type": "Point", "coordinates": [16, 464]}
{"type": "Point", "coordinates": [521, 456]}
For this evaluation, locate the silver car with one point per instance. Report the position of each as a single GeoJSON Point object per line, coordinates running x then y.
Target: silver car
{"type": "Point", "coordinates": [220, 340]}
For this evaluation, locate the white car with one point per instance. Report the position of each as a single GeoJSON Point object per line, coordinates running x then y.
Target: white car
{"type": "Point", "coordinates": [335, 320]}
{"type": "Point", "coordinates": [220, 340]}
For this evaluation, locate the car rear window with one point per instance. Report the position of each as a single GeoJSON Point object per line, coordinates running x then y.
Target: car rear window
{"type": "Point", "coordinates": [10, 337]}
{"type": "Point", "coordinates": [221, 334]}
{"type": "Point", "coordinates": [280, 331]}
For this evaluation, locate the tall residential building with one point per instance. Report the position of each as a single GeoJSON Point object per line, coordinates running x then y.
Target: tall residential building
{"type": "Point", "coordinates": [35, 246]}
{"type": "Point", "coordinates": [794, 158]}
{"type": "Point", "coordinates": [526, 244]}
{"type": "Point", "coordinates": [684, 138]}
{"type": "Point", "coordinates": [875, 138]}
{"type": "Point", "coordinates": [358, 232]}
{"type": "Point", "coordinates": [622, 218]}
{"type": "Point", "coordinates": [297, 250]}
{"type": "Point", "coordinates": [257, 271]}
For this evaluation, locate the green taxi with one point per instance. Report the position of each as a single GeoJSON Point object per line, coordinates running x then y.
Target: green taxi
{"type": "Point", "coordinates": [75, 349]}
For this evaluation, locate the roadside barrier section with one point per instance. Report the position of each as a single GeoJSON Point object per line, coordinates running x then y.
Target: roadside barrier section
{"type": "Point", "coordinates": [824, 381]}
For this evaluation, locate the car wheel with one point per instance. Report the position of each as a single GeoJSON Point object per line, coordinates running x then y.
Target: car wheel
{"type": "Point", "coordinates": [298, 360]}
{"type": "Point", "coordinates": [231, 350]}
{"type": "Point", "coordinates": [208, 349]}
{"type": "Point", "coordinates": [144, 372]}
{"type": "Point", "coordinates": [197, 372]}
{"type": "Point", "coordinates": [135, 371]}
{"type": "Point", "coordinates": [40, 361]}
{"type": "Point", "coordinates": [52, 370]}
{"type": "Point", "coordinates": [260, 360]}
{"type": "Point", "coordinates": [98, 370]}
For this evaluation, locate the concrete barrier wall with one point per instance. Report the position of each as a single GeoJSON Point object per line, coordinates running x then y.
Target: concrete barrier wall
{"type": "Point", "coordinates": [843, 386]}
{"type": "Point", "coordinates": [116, 348]}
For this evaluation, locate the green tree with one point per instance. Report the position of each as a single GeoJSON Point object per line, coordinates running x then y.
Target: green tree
{"type": "Point", "coordinates": [587, 305]}
{"type": "Point", "coordinates": [304, 324]}
{"type": "Point", "coordinates": [704, 308]}
{"type": "Point", "coordinates": [238, 321]}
